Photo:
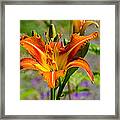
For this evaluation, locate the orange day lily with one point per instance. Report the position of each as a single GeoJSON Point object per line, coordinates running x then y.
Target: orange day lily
{"type": "Point", "coordinates": [79, 26]}
{"type": "Point", "coordinates": [53, 59]}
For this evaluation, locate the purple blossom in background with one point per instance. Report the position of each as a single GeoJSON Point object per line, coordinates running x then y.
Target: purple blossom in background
{"type": "Point", "coordinates": [85, 83]}
{"type": "Point", "coordinates": [44, 95]}
{"type": "Point", "coordinates": [36, 81]}
{"type": "Point", "coordinates": [81, 95]}
{"type": "Point", "coordinates": [85, 94]}
{"type": "Point", "coordinates": [41, 86]}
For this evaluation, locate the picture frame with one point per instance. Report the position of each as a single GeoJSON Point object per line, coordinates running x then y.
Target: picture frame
{"type": "Point", "coordinates": [116, 3]}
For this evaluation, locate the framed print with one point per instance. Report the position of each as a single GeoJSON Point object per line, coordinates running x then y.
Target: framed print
{"type": "Point", "coordinates": [59, 59]}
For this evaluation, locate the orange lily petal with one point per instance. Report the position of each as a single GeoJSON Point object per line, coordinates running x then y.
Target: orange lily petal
{"type": "Point", "coordinates": [82, 63]}
{"type": "Point", "coordinates": [77, 42]}
{"type": "Point", "coordinates": [28, 63]}
{"type": "Point", "coordinates": [56, 45]}
{"type": "Point", "coordinates": [42, 68]}
{"type": "Point", "coordinates": [86, 24]}
{"type": "Point", "coordinates": [77, 25]}
{"type": "Point", "coordinates": [51, 77]}
{"type": "Point", "coordinates": [36, 50]}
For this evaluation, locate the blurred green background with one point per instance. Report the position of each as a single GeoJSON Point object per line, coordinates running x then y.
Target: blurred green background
{"type": "Point", "coordinates": [79, 87]}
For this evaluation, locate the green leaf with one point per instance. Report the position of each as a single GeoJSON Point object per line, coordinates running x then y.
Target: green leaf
{"type": "Point", "coordinates": [83, 51]}
{"type": "Point", "coordinates": [80, 89]}
{"type": "Point", "coordinates": [28, 93]}
{"type": "Point", "coordinates": [94, 49]}
{"type": "Point", "coordinates": [97, 78]}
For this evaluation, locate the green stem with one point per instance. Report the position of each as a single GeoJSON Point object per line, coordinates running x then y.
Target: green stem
{"type": "Point", "coordinates": [52, 94]}
{"type": "Point", "coordinates": [69, 89]}
{"type": "Point", "coordinates": [67, 76]}
{"type": "Point", "coordinates": [50, 21]}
